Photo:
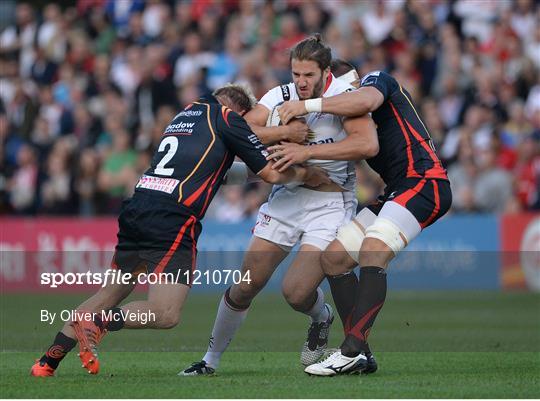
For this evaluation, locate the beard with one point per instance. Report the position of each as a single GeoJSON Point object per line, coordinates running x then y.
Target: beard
{"type": "Point", "coordinates": [317, 90]}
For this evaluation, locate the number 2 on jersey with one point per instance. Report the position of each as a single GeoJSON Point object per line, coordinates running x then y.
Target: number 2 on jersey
{"type": "Point", "coordinates": [170, 142]}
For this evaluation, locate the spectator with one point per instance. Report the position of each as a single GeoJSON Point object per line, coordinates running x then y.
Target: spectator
{"type": "Point", "coordinates": [226, 65]}
{"type": "Point", "coordinates": [117, 177]}
{"type": "Point", "coordinates": [433, 120]}
{"type": "Point", "coordinates": [451, 102]}
{"type": "Point", "coordinates": [43, 71]}
{"type": "Point", "coordinates": [254, 197]}
{"type": "Point", "coordinates": [50, 36]}
{"type": "Point", "coordinates": [528, 173]}
{"type": "Point", "coordinates": [493, 185]}
{"type": "Point", "coordinates": [377, 23]}
{"type": "Point", "coordinates": [22, 111]}
{"type": "Point", "coordinates": [86, 185]}
{"type": "Point", "coordinates": [120, 13]}
{"type": "Point", "coordinates": [155, 88]}
{"type": "Point", "coordinates": [154, 18]}
{"type": "Point", "coordinates": [462, 175]}
{"type": "Point", "coordinates": [231, 207]}
{"type": "Point", "coordinates": [23, 184]}
{"type": "Point", "coordinates": [517, 127]}
{"type": "Point", "coordinates": [86, 127]}
{"type": "Point", "coordinates": [523, 21]}
{"type": "Point", "coordinates": [101, 31]}
{"type": "Point", "coordinates": [476, 128]}
{"type": "Point", "coordinates": [18, 41]}
{"type": "Point", "coordinates": [56, 190]}
{"type": "Point", "coordinates": [209, 27]}
{"type": "Point", "coordinates": [188, 66]}
{"type": "Point", "coordinates": [136, 34]}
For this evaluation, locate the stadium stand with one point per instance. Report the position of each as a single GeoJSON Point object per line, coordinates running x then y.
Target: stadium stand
{"type": "Point", "coordinates": [88, 87]}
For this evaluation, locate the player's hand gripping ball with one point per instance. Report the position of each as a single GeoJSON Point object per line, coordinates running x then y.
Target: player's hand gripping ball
{"type": "Point", "coordinates": [291, 109]}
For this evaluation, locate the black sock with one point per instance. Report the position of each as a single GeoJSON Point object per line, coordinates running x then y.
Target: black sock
{"type": "Point", "coordinates": [344, 289]}
{"type": "Point", "coordinates": [113, 320]}
{"type": "Point", "coordinates": [57, 351]}
{"type": "Point", "coordinates": [369, 301]}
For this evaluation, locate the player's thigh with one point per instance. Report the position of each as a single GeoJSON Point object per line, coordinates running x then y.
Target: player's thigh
{"type": "Point", "coordinates": [260, 261]}
{"type": "Point", "coordinates": [393, 229]}
{"type": "Point", "coordinates": [117, 292]}
{"type": "Point", "coordinates": [304, 274]}
{"type": "Point", "coordinates": [336, 260]}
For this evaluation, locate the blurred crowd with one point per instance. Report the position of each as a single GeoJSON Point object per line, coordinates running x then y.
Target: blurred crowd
{"type": "Point", "coordinates": [87, 88]}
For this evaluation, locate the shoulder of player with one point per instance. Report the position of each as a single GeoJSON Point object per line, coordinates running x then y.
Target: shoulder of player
{"type": "Point", "coordinates": [284, 92]}
{"type": "Point", "coordinates": [229, 116]}
{"type": "Point", "coordinates": [373, 76]}
{"type": "Point", "coordinates": [278, 95]}
{"type": "Point", "coordinates": [194, 109]}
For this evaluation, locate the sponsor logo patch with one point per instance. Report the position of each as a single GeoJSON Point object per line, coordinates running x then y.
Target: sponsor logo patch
{"type": "Point", "coordinates": [166, 185]}
{"type": "Point", "coordinates": [189, 113]}
{"type": "Point", "coordinates": [180, 128]}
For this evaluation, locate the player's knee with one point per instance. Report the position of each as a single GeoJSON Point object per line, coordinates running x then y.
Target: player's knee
{"type": "Point", "coordinates": [294, 295]}
{"type": "Point", "coordinates": [332, 262]}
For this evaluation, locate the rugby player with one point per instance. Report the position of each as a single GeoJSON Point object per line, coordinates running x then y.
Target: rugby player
{"type": "Point", "coordinates": [160, 224]}
{"type": "Point", "coordinates": [417, 194]}
{"type": "Point", "coordinates": [297, 214]}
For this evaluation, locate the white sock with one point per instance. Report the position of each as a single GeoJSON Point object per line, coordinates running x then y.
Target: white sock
{"type": "Point", "coordinates": [318, 312]}
{"type": "Point", "coordinates": [227, 322]}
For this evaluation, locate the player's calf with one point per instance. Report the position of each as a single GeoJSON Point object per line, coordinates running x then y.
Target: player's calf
{"type": "Point", "coordinates": [242, 294]}
{"type": "Point", "coordinates": [156, 316]}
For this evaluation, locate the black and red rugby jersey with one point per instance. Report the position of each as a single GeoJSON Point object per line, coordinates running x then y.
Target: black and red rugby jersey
{"type": "Point", "coordinates": [405, 146]}
{"type": "Point", "coordinates": [197, 149]}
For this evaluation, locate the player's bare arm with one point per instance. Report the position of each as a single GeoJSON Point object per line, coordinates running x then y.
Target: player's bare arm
{"type": "Point", "coordinates": [312, 176]}
{"type": "Point", "coordinates": [361, 143]}
{"type": "Point", "coordinates": [296, 131]}
{"type": "Point", "coordinates": [350, 104]}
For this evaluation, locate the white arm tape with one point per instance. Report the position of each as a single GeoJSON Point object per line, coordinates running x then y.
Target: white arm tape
{"type": "Point", "coordinates": [313, 105]}
{"type": "Point", "coordinates": [237, 174]}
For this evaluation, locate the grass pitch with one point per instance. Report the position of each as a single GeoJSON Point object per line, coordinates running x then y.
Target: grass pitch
{"type": "Point", "coordinates": [443, 344]}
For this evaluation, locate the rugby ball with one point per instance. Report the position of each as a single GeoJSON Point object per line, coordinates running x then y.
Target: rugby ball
{"type": "Point", "coordinates": [273, 118]}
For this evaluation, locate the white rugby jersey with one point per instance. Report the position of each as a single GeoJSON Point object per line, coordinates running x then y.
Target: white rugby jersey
{"type": "Point", "coordinates": [324, 127]}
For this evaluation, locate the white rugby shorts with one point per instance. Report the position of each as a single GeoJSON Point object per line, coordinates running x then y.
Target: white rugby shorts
{"type": "Point", "coordinates": [303, 215]}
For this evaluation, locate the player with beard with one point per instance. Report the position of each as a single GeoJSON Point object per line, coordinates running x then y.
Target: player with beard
{"type": "Point", "coordinates": [297, 214]}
